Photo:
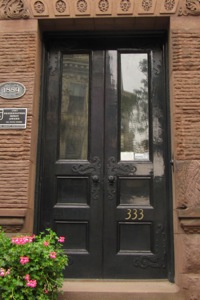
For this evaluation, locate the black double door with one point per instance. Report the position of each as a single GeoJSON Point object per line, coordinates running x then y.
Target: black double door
{"type": "Point", "coordinates": [103, 167]}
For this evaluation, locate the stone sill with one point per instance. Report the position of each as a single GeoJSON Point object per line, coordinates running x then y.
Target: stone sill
{"type": "Point", "coordinates": [120, 289]}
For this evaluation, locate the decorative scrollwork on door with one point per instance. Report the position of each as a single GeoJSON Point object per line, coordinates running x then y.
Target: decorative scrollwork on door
{"type": "Point", "coordinates": [93, 169]}
{"type": "Point", "coordinates": [120, 168]}
{"type": "Point", "coordinates": [116, 169]}
{"type": "Point", "coordinates": [158, 260]}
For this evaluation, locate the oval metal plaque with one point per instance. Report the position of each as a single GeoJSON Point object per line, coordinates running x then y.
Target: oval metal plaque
{"type": "Point", "coordinates": [12, 90]}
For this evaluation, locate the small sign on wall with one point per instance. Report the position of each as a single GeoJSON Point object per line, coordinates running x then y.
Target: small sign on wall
{"type": "Point", "coordinates": [12, 90]}
{"type": "Point", "coordinates": [13, 118]}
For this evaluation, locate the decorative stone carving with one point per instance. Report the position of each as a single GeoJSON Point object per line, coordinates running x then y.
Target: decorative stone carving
{"type": "Point", "coordinates": [61, 8]}
{"type": "Point", "coordinates": [82, 7]}
{"type": "Point", "coordinates": [190, 7]}
{"type": "Point", "coordinates": [169, 6]}
{"type": "Point", "coordinates": [146, 7]}
{"type": "Point", "coordinates": [147, 4]}
{"type": "Point", "coordinates": [13, 9]}
{"type": "Point", "coordinates": [39, 8]}
{"type": "Point", "coordinates": [104, 7]}
{"type": "Point", "coordinates": [125, 7]}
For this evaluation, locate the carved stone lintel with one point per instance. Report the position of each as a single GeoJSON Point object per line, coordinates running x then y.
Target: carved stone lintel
{"type": "Point", "coordinates": [13, 9]}
{"type": "Point", "coordinates": [190, 7]}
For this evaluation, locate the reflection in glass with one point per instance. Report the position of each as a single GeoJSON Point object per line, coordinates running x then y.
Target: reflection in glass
{"type": "Point", "coordinates": [134, 107]}
{"type": "Point", "coordinates": [135, 192]}
{"type": "Point", "coordinates": [74, 107]}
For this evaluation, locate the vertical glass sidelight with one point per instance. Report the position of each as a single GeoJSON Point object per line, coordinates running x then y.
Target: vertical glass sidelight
{"type": "Point", "coordinates": [74, 107]}
{"type": "Point", "coordinates": [134, 106]}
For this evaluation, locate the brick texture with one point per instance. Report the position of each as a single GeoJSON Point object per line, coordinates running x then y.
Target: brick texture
{"type": "Point", "coordinates": [17, 61]}
{"type": "Point", "coordinates": [186, 74]}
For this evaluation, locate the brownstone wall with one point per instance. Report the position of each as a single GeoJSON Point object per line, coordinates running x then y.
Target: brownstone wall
{"type": "Point", "coordinates": [20, 61]}
{"type": "Point", "coordinates": [18, 53]}
{"type": "Point", "coordinates": [185, 83]}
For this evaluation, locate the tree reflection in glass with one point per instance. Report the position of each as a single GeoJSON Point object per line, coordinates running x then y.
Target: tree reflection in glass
{"type": "Point", "coordinates": [134, 106]}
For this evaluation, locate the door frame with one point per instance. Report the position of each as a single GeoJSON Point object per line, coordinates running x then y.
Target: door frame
{"type": "Point", "coordinates": [168, 161]}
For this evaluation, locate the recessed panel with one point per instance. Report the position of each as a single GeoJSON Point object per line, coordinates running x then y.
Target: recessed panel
{"type": "Point", "coordinates": [134, 191]}
{"type": "Point", "coordinates": [134, 237]}
{"type": "Point", "coordinates": [72, 190]}
{"type": "Point", "coordinates": [75, 233]}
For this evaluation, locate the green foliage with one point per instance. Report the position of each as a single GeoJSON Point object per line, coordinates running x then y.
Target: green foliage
{"type": "Point", "coordinates": [31, 267]}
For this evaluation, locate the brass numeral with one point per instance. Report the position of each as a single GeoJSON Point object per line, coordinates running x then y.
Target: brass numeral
{"type": "Point", "coordinates": [135, 214]}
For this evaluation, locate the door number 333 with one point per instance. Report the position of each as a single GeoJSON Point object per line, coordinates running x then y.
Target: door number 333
{"type": "Point", "coordinates": [135, 214]}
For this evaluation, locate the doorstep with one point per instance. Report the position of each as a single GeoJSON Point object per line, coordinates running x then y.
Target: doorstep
{"type": "Point", "coordinates": [120, 290]}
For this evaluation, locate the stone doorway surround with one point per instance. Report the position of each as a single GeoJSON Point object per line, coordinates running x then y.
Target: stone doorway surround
{"type": "Point", "coordinates": [21, 25]}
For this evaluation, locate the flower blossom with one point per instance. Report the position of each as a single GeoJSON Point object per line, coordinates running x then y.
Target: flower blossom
{"type": "Point", "coordinates": [22, 240]}
{"type": "Point", "coordinates": [31, 283]}
{"type": "Point", "coordinates": [24, 260]}
{"type": "Point", "coordinates": [27, 277]}
{"type": "Point", "coordinates": [46, 243]}
{"type": "Point", "coordinates": [52, 255]}
{"type": "Point", "coordinates": [46, 291]}
{"type": "Point", "coordinates": [2, 272]}
{"type": "Point", "coordinates": [61, 239]}
{"type": "Point", "coordinates": [8, 272]}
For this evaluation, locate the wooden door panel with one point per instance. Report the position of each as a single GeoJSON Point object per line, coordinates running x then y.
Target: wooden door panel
{"type": "Point", "coordinates": [108, 195]}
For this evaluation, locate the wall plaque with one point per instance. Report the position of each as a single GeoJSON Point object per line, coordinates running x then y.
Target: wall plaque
{"type": "Point", "coordinates": [13, 118]}
{"type": "Point", "coordinates": [12, 90]}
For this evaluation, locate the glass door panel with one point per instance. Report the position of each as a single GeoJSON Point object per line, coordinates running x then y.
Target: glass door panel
{"type": "Point", "coordinates": [134, 97]}
{"type": "Point", "coordinates": [74, 107]}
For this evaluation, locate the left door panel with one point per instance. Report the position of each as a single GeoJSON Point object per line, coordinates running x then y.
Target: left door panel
{"type": "Point", "coordinates": [72, 172]}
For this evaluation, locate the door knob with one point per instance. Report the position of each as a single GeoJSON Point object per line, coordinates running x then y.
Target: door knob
{"type": "Point", "coordinates": [95, 178]}
{"type": "Point", "coordinates": [111, 179]}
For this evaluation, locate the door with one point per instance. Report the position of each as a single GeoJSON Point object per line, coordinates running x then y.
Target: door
{"type": "Point", "coordinates": [104, 151]}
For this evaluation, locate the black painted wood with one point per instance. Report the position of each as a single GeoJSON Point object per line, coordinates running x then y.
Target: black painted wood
{"type": "Point", "coordinates": [106, 239]}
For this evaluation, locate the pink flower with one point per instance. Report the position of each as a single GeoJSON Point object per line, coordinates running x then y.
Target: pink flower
{"type": "Point", "coordinates": [22, 240]}
{"type": "Point", "coordinates": [46, 291]}
{"type": "Point", "coordinates": [2, 272]}
{"type": "Point", "coordinates": [61, 239]}
{"type": "Point", "coordinates": [46, 243]}
{"type": "Point", "coordinates": [31, 283]}
{"type": "Point", "coordinates": [8, 272]}
{"type": "Point", "coordinates": [52, 255]}
{"type": "Point", "coordinates": [27, 277]}
{"type": "Point", "coordinates": [24, 260]}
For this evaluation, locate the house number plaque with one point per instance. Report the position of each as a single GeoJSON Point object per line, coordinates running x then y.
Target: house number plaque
{"type": "Point", "coordinates": [134, 214]}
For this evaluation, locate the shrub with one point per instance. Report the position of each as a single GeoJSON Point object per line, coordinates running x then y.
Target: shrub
{"type": "Point", "coordinates": [31, 267]}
